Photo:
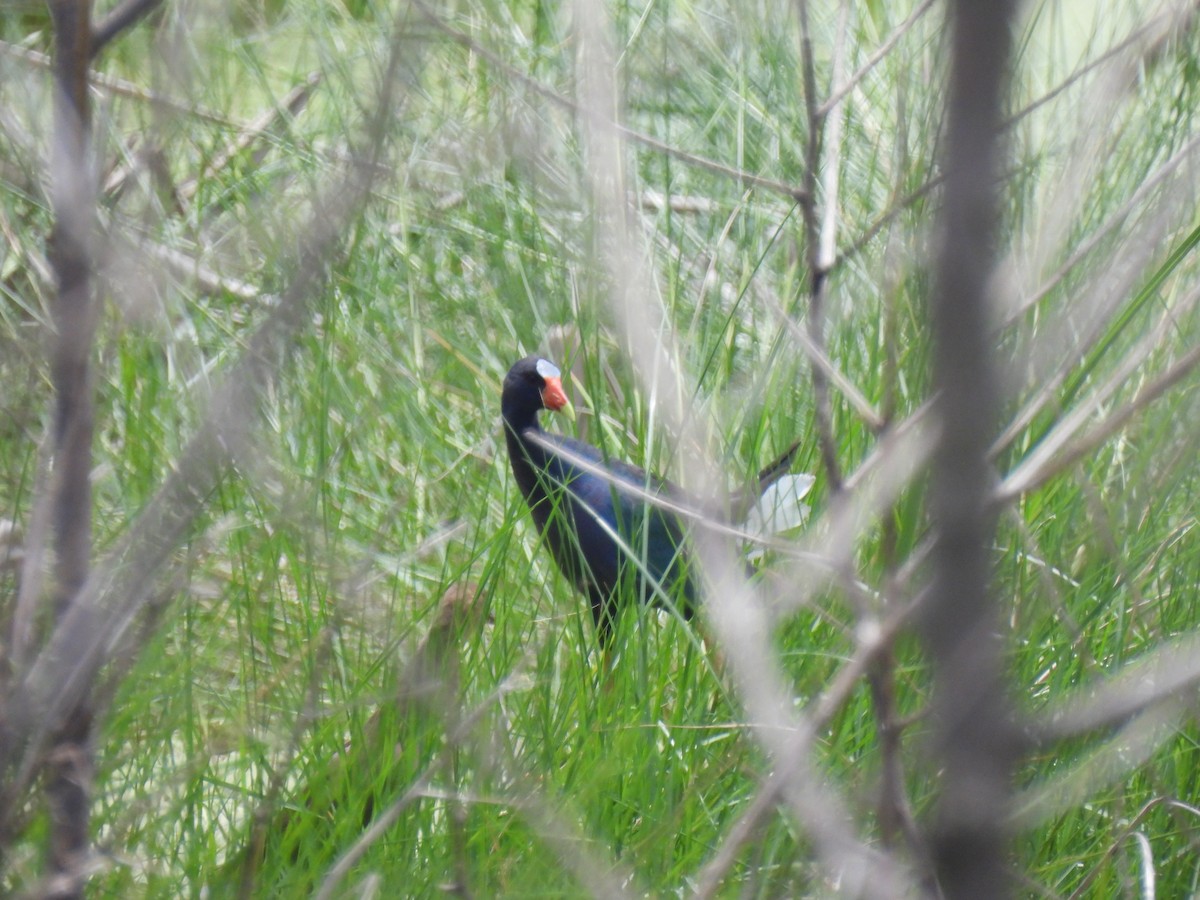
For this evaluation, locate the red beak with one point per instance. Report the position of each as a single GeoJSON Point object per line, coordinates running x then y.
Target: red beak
{"type": "Point", "coordinates": [553, 397]}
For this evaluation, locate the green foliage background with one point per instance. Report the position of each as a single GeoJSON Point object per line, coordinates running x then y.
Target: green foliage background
{"type": "Point", "coordinates": [379, 480]}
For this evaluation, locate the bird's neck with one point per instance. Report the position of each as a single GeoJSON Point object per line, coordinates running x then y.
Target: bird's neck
{"type": "Point", "coordinates": [527, 457]}
{"type": "Point", "coordinates": [518, 416]}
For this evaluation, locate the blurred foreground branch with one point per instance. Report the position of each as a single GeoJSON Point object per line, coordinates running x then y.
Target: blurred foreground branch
{"type": "Point", "coordinates": [69, 760]}
{"type": "Point", "coordinates": [974, 740]}
{"type": "Point", "coordinates": [48, 707]}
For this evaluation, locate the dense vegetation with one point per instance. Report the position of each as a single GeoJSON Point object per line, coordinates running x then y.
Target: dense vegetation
{"type": "Point", "coordinates": [262, 714]}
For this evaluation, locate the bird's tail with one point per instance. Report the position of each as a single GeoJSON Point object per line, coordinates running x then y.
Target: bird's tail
{"type": "Point", "coordinates": [776, 470]}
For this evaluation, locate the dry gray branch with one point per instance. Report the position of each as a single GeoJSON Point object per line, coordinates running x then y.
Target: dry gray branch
{"type": "Point", "coordinates": [831, 165]}
{"type": "Point", "coordinates": [33, 564]}
{"type": "Point", "coordinates": [818, 264]}
{"type": "Point", "coordinates": [121, 17]}
{"type": "Point", "coordinates": [120, 86]}
{"type": "Point", "coordinates": [820, 360]}
{"type": "Point", "coordinates": [1147, 39]}
{"type": "Point", "coordinates": [1130, 830]}
{"type": "Point", "coordinates": [974, 743]}
{"type": "Point", "coordinates": [838, 94]}
{"type": "Point", "coordinates": [821, 711]}
{"type": "Point", "coordinates": [1081, 324]}
{"type": "Point", "coordinates": [738, 615]}
{"type": "Point", "coordinates": [1060, 448]}
{"type": "Point", "coordinates": [1173, 20]}
{"type": "Point", "coordinates": [431, 676]}
{"type": "Point", "coordinates": [114, 596]}
{"type": "Point", "coordinates": [68, 761]}
{"type": "Point", "coordinates": [1130, 745]}
{"type": "Point", "coordinates": [188, 269]}
{"type": "Point", "coordinates": [1167, 674]}
{"type": "Point", "coordinates": [49, 701]}
{"type": "Point", "coordinates": [870, 490]}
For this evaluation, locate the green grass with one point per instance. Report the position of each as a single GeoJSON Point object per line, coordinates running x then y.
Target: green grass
{"type": "Point", "coordinates": [378, 478]}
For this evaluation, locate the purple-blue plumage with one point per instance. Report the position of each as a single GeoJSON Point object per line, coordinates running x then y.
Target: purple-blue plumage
{"type": "Point", "coordinates": [603, 533]}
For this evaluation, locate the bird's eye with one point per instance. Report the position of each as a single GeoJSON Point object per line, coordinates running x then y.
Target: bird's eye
{"type": "Point", "coordinates": [547, 369]}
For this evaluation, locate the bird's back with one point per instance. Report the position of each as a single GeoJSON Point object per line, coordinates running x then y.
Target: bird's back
{"type": "Point", "coordinates": [603, 532]}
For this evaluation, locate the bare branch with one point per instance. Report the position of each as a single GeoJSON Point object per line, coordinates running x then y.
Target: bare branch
{"type": "Point", "coordinates": [1146, 38]}
{"type": "Point", "coordinates": [845, 87]}
{"type": "Point", "coordinates": [1106, 292]}
{"type": "Point", "coordinates": [69, 762]}
{"type": "Point", "coordinates": [817, 265]}
{"type": "Point", "coordinates": [1129, 830]}
{"type": "Point", "coordinates": [974, 740]}
{"type": "Point", "coordinates": [1085, 248]}
{"type": "Point", "coordinates": [1027, 479]}
{"type": "Point", "coordinates": [122, 17]}
{"type": "Point", "coordinates": [820, 360]}
{"type": "Point", "coordinates": [831, 165]}
{"type": "Point", "coordinates": [114, 594]}
{"type": "Point", "coordinates": [820, 712]}
{"type": "Point", "coordinates": [37, 547]}
{"type": "Point", "coordinates": [376, 830]}
{"type": "Point", "coordinates": [1131, 743]}
{"type": "Point", "coordinates": [887, 217]}
{"type": "Point", "coordinates": [434, 683]}
{"type": "Point", "coordinates": [192, 271]}
{"type": "Point", "coordinates": [1152, 34]}
{"type": "Point", "coordinates": [1168, 673]}
{"type": "Point", "coordinates": [119, 86]}
{"type": "Point", "coordinates": [737, 614]}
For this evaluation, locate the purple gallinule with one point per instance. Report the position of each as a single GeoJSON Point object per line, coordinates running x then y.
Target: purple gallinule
{"type": "Point", "coordinates": [607, 538]}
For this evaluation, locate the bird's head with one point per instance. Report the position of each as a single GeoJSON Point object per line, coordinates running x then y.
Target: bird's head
{"type": "Point", "coordinates": [537, 383]}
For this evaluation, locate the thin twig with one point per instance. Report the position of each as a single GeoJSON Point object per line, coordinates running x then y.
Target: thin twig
{"type": "Point", "coordinates": [459, 727]}
{"type": "Point", "coordinates": [887, 217]}
{"type": "Point", "coordinates": [845, 87]}
{"type": "Point", "coordinates": [831, 164]}
{"type": "Point", "coordinates": [1037, 463]}
{"type": "Point", "coordinates": [902, 452]}
{"type": "Point", "coordinates": [736, 613]}
{"type": "Point", "coordinates": [191, 270]}
{"type": "Point", "coordinates": [894, 809]}
{"type": "Point", "coordinates": [1152, 34]}
{"type": "Point", "coordinates": [1179, 20]}
{"type": "Point", "coordinates": [287, 108]}
{"type": "Point", "coordinates": [637, 137]}
{"type": "Point", "coordinates": [382, 823]}
{"type": "Point", "coordinates": [821, 711]}
{"type": "Point", "coordinates": [37, 547]}
{"type": "Point", "coordinates": [1111, 223]}
{"type": "Point", "coordinates": [261, 817]}
{"type": "Point", "coordinates": [1130, 828]}
{"type": "Point", "coordinates": [1030, 478]}
{"type": "Point", "coordinates": [820, 360]}
{"type": "Point", "coordinates": [1127, 745]}
{"type": "Point", "coordinates": [817, 266]}
{"type": "Point", "coordinates": [116, 593]}
{"type": "Point", "coordinates": [120, 86]}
